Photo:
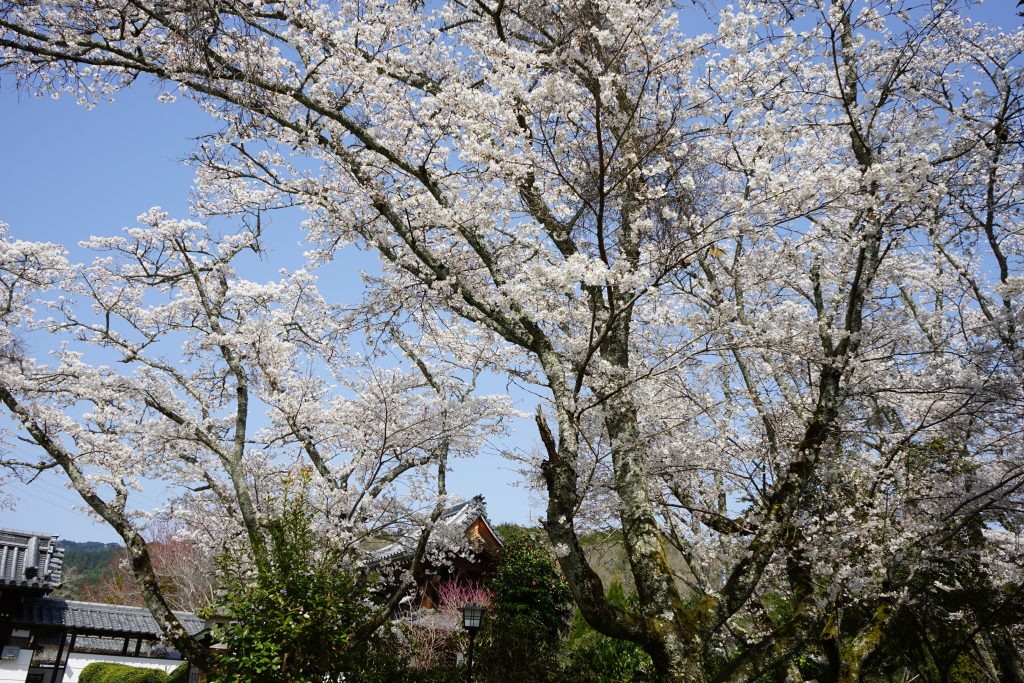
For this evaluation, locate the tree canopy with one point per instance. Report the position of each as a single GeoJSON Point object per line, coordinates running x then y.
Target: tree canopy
{"type": "Point", "coordinates": [762, 279]}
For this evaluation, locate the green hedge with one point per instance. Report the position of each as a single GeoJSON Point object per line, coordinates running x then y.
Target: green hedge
{"type": "Point", "coordinates": [107, 672]}
{"type": "Point", "coordinates": [179, 675]}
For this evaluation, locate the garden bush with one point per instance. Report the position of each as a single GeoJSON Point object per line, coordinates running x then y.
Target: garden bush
{"type": "Point", "coordinates": [299, 617]}
{"type": "Point", "coordinates": [530, 614]}
{"type": "Point", "coordinates": [179, 675]}
{"type": "Point", "coordinates": [108, 672]}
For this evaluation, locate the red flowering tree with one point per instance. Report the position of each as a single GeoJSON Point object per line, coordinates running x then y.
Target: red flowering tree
{"type": "Point", "coordinates": [436, 637]}
{"type": "Point", "coordinates": [185, 570]}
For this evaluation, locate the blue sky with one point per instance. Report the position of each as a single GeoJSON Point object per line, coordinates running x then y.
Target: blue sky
{"type": "Point", "coordinates": [69, 173]}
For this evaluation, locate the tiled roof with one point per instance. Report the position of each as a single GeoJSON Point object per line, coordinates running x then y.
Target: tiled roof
{"type": "Point", "coordinates": [30, 560]}
{"type": "Point", "coordinates": [456, 517]}
{"type": "Point", "coordinates": [100, 619]}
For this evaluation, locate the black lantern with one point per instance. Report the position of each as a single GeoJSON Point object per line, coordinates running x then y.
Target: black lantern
{"type": "Point", "coordinates": [472, 617]}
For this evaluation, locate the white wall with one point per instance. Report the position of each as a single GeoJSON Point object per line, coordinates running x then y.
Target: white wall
{"type": "Point", "coordinates": [79, 660]}
{"type": "Point", "coordinates": [15, 670]}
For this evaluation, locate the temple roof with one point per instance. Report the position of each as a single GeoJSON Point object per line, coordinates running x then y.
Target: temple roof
{"type": "Point", "coordinates": [457, 518]}
{"type": "Point", "coordinates": [30, 560]}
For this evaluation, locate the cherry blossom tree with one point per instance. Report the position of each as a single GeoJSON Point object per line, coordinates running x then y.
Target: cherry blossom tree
{"type": "Point", "coordinates": [765, 280]}
{"type": "Point", "coordinates": [223, 390]}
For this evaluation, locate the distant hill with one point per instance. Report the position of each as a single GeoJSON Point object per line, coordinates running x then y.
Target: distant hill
{"type": "Point", "coordinates": [84, 563]}
{"type": "Point", "coordinates": [603, 549]}
{"type": "Point", "coordinates": [606, 554]}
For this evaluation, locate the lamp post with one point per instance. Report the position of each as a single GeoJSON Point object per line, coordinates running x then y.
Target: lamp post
{"type": "Point", "coordinates": [472, 617]}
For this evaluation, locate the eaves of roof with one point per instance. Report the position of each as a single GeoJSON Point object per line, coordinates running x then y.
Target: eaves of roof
{"type": "Point", "coordinates": [95, 618]}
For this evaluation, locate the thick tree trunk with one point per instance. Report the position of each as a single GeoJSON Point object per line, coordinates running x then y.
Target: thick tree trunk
{"type": "Point", "coordinates": [683, 666]}
{"type": "Point", "coordinates": [853, 656]}
{"type": "Point", "coordinates": [1008, 657]}
{"type": "Point", "coordinates": [672, 631]}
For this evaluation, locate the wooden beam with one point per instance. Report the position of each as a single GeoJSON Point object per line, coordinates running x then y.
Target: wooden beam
{"type": "Point", "coordinates": [56, 662]}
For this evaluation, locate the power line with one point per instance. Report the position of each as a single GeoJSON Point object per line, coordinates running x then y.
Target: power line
{"type": "Point", "coordinates": [46, 501]}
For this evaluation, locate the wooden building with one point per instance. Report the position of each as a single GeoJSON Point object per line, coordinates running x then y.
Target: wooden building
{"type": "Point", "coordinates": [463, 546]}
{"type": "Point", "coordinates": [30, 567]}
{"type": "Point", "coordinates": [49, 640]}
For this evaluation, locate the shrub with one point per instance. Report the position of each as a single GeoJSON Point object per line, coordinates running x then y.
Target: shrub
{"type": "Point", "coordinates": [299, 617]}
{"type": "Point", "coordinates": [108, 672]}
{"type": "Point", "coordinates": [529, 614]}
{"type": "Point", "coordinates": [179, 675]}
